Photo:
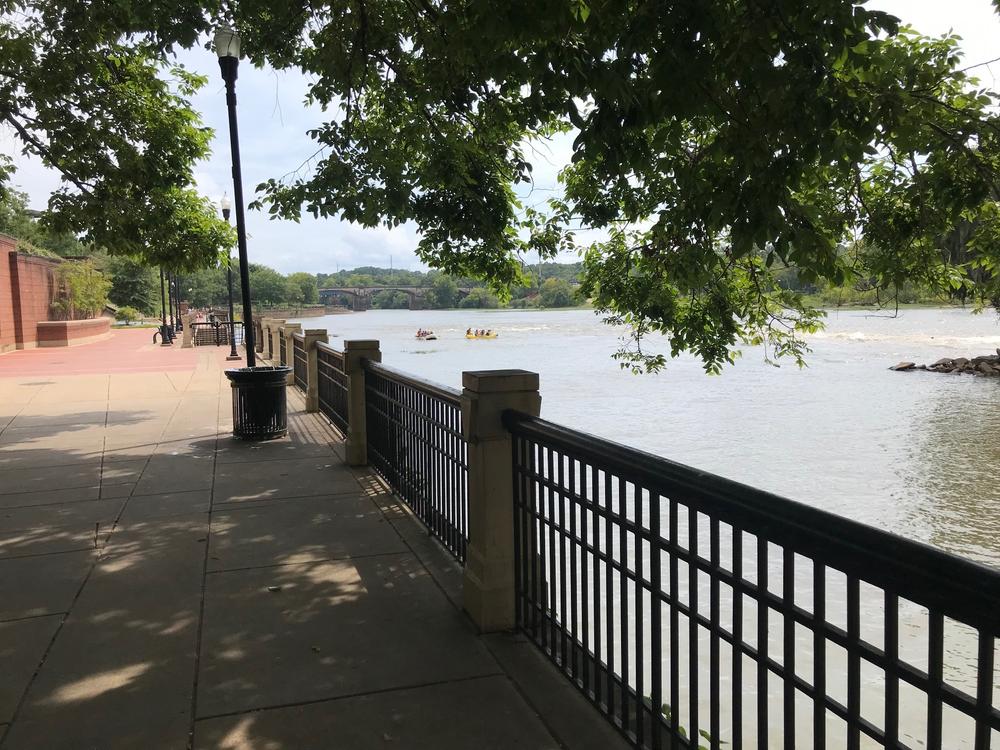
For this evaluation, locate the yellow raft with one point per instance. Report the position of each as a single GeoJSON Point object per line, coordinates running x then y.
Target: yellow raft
{"type": "Point", "coordinates": [484, 336]}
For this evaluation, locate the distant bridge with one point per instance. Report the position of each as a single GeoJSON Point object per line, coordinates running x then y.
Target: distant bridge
{"type": "Point", "coordinates": [361, 296]}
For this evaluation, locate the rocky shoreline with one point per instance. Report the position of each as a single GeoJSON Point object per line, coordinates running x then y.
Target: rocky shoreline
{"type": "Point", "coordinates": [988, 365]}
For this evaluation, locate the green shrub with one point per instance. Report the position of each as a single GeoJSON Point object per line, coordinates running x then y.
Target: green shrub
{"type": "Point", "coordinates": [83, 291]}
{"type": "Point", "coordinates": [128, 315]}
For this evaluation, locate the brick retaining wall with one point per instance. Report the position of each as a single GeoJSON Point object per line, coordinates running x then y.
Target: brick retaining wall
{"type": "Point", "coordinates": [72, 332]}
{"type": "Point", "coordinates": [27, 288]}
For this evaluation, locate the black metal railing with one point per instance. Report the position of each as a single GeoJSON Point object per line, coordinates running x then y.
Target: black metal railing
{"type": "Point", "coordinates": [332, 385]}
{"type": "Point", "coordinates": [300, 363]}
{"type": "Point", "coordinates": [282, 354]}
{"type": "Point", "coordinates": [694, 611]}
{"type": "Point", "coordinates": [415, 443]}
{"type": "Point", "coordinates": [215, 334]}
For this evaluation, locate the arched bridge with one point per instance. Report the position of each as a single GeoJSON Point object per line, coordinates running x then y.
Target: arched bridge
{"type": "Point", "coordinates": [361, 296]}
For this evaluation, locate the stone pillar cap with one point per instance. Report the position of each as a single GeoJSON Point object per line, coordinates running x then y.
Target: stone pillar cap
{"type": "Point", "coordinates": [499, 381]}
{"type": "Point", "coordinates": [360, 344]}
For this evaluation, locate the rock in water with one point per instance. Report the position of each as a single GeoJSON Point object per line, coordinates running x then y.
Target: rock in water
{"type": "Point", "coordinates": [903, 366]}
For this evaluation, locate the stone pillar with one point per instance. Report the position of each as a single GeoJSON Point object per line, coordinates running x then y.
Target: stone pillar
{"type": "Point", "coordinates": [286, 333]}
{"type": "Point", "coordinates": [187, 339]}
{"type": "Point", "coordinates": [355, 353]}
{"type": "Point", "coordinates": [265, 338]}
{"type": "Point", "coordinates": [274, 342]}
{"type": "Point", "coordinates": [488, 585]}
{"type": "Point", "coordinates": [312, 337]}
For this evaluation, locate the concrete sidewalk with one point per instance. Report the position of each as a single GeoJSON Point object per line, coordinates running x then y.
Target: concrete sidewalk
{"type": "Point", "coordinates": [164, 586]}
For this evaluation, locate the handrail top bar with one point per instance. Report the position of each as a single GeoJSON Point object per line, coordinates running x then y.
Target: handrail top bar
{"type": "Point", "coordinates": [326, 347]}
{"type": "Point", "coordinates": [873, 555]}
{"type": "Point", "coordinates": [298, 336]}
{"type": "Point", "coordinates": [451, 395]}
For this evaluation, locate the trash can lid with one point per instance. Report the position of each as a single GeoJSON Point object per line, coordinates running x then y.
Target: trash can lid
{"type": "Point", "coordinates": [259, 374]}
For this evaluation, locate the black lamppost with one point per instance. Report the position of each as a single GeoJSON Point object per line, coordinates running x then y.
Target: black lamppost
{"type": "Point", "coordinates": [164, 331]}
{"type": "Point", "coordinates": [227, 46]}
{"type": "Point", "coordinates": [177, 302]}
{"type": "Point", "coordinates": [170, 304]}
{"type": "Point", "coordinates": [229, 286]}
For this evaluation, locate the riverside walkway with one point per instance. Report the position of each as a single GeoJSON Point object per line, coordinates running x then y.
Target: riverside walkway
{"type": "Point", "coordinates": [164, 586]}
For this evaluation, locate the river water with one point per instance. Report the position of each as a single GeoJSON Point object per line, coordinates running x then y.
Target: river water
{"type": "Point", "coordinates": [914, 453]}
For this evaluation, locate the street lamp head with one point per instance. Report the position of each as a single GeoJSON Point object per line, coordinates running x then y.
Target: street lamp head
{"type": "Point", "coordinates": [226, 205]}
{"type": "Point", "coordinates": [227, 42]}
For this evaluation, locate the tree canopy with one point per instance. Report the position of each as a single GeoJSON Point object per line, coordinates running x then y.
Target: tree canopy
{"type": "Point", "coordinates": [713, 143]}
{"type": "Point", "coordinates": [89, 91]}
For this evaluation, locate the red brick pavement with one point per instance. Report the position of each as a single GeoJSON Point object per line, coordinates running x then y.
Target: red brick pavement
{"type": "Point", "coordinates": [126, 351]}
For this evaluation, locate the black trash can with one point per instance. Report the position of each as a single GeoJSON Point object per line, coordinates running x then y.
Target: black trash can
{"type": "Point", "coordinates": [260, 406]}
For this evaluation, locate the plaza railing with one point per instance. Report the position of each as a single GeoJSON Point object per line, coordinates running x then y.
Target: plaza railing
{"type": "Point", "coordinates": [300, 361]}
{"type": "Point", "coordinates": [415, 443]}
{"type": "Point", "coordinates": [215, 334]}
{"type": "Point", "coordinates": [332, 385]}
{"type": "Point", "coordinates": [691, 610]}
{"type": "Point", "coordinates": [282, 353]}
{"type": "Point", "coordinates": [694, 611]}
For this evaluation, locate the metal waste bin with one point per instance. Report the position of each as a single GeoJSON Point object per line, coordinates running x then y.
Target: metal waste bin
{"type": "Point", "coordinates": [260, 406]}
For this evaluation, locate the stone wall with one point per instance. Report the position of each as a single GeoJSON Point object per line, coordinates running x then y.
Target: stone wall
{"type": "Point", "coordinates": [72, 332]}
{"type": "Point", "coordinates": [27, 288]}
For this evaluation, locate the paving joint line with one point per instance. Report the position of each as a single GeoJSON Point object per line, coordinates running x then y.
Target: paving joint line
{"type": "Point", "coordinates": [34, 617]}
{"type": "Point", "coordinates": [89, 548]}
{"type": "Point", "coordinates": [347, 696]}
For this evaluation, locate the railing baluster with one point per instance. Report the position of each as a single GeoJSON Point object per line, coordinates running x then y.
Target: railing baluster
{"type": "Point", "coordinates": [675, 675]}
{"type": "Point", "coordinates": [819, 656]}
{"type": "Point", "coordinates": [550, 518]}
{"type": "Point", "coordinates": [656, 624]}
{"type": "Point", "coordinates": [693, 622]}
{"type": "Point", "coordinates": [609, 604]}
{"type": "Point", "coordinates": [788, 647]}
{"type": "Point", "coordinates": [737, 651]}
{"type": "Point", "coordinates": [595, 539]}
{"type": "Point", "coordinates": [542, 584]}
{"type": "Point", "coordinates": [520, 543]}
{"type": "Point", "coordinates": [573, 588]}
{"type": "Point", "coordinates": [891, 671]}
{"type": "Point", "coordinates": [586, 541]}
{"type": "Point", "coordinates": [984, 689]}
{"type": "Point", "coordinates": [935, 675]}
{"type": "Point", "coordinates": [640, 623]}
{"type": "Point", "coordinates": [853, 665]}
{"type": "Point", "coordinates": [564, 616]}
{"type": "Point", "coordinates": [762, 650]}
{"type": "Point", "coordinates": [714, 712]}
{"type": "Point", "coordinates": [623, 604]}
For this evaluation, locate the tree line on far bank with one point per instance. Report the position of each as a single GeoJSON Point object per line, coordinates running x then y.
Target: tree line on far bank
{"type": "Point", "coordinates": [91, 278]}
{"type": "Point", "coordinates": [94, 278]}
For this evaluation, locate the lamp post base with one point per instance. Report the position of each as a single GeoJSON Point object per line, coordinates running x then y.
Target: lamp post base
{"type": "Point", "coordinates": [232, 358]}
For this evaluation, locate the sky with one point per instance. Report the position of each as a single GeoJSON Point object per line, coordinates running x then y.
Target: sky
{"type": "Point", "coordinates": [273, 142]}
